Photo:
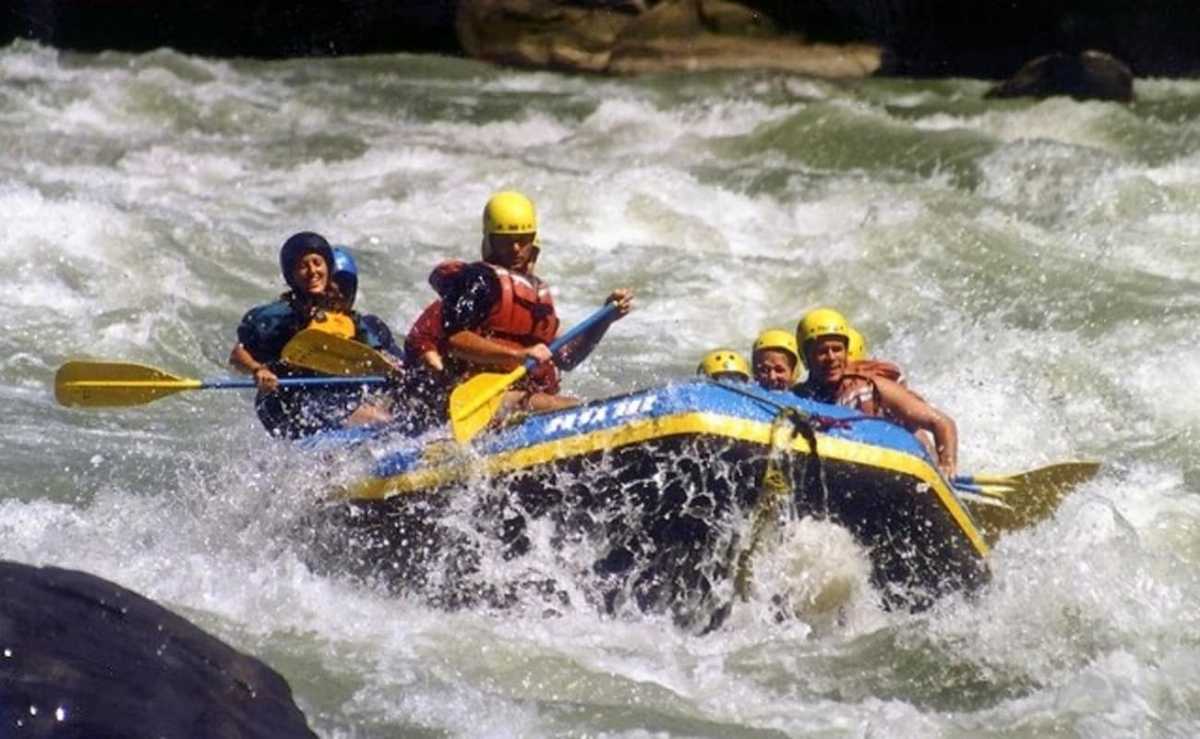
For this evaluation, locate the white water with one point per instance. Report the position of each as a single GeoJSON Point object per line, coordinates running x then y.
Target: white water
{"type": "Point", "coordinates": [1030, 264]}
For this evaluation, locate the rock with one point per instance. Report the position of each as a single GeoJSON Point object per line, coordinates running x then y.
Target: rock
{"type": "Point", "coordinates": [538, 33]}
{"type": "Point", "coordinates": [1092, 75]}
{"type": "Point", "coordinates": [642, 37]}
{"type": "Point", "coordinates": [83, 657]}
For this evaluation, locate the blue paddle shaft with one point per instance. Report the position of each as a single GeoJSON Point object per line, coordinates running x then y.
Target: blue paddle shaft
{"type": "Point", "coordinates": [608, 311]}
{"type": "Point", "coordinates": [298, 381]}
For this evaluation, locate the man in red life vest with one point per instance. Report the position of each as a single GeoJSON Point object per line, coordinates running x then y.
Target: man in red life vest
{"type": "Point", "coordinates": [824, 336]}
{"type": "Point", "coordinates": [495, 313]}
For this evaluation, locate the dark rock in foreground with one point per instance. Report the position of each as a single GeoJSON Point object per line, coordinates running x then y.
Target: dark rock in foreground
{"type": "Point", "coordinates": [83, 657]}
{"type": "Point", "coordinates": [1092, 75]}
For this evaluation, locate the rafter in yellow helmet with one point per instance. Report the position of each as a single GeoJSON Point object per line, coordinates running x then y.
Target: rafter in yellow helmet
{"type": "Point", "coordinates": [723, 362]}
{"type": "Point", "coordinates": [509, 212]}
{"type": "Point", "coordinates": [777, 338]}
{"type": "Point", "coordinates": [822, 322]}
{"type": "Point", "coordinates": [856, 345]}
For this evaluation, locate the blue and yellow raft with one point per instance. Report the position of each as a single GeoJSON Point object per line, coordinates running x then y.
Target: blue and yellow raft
{"type": "Point", "coordinates": [660, 481]}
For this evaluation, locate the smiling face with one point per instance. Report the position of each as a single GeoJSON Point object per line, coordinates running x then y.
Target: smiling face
{"type": "Point", "coordinates": [826, 357]}
{"type": "Point", "coordinates": [311, 274]}
{"type": "Point", "coordinates": [773, 369]}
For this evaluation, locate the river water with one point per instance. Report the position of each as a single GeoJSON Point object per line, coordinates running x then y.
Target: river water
{"type": "Point", "coordinates": [1031, 264]}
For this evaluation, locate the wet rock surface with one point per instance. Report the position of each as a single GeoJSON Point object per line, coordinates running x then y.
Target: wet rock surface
{"type": "Point", "coordinates": [84, 657]}
{"type": "Point", "coordinates": [1092, 75]}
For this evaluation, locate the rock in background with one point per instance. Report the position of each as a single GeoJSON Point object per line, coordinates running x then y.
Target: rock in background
{"type": "Point", "coordinates": [83, 657]}
{"type": "Point", "coordinates": [638, 36]}
{"type": "Point", "coordinates": [1092, 75]}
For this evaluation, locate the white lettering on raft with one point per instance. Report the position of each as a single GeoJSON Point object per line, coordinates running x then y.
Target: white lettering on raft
{"type": "Point", "coordinates": [596, 414]}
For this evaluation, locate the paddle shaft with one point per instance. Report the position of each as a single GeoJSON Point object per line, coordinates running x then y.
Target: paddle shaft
{"type": "Point", "coordinates": [183, 384]}
{"type": "Point", "coordinates": [608, 311]}
{"type": "Point", "coordinates": [296, 382]}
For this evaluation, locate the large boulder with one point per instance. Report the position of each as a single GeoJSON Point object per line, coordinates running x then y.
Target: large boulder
{"type": "Point", "coordinates": [639, 36]}
{"type": "Point", "coordinates": [83, 657]}
{"type": "Point", "coordinates": [1091, 75]}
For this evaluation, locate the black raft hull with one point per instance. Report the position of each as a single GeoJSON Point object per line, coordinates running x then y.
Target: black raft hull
{"type": "Point", "coordinates": [652, 500]}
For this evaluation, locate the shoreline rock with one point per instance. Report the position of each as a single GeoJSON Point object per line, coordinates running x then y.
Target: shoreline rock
{"type": "Point", "coordinates": [668, 36]}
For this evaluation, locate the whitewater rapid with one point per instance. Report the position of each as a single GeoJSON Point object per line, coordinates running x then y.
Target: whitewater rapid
{"type": "Point", "coordinates": [1031, 264]}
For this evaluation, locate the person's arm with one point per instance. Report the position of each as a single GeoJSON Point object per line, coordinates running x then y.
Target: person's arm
{"type": "Point", "coordinates": [571, 355]}
{"type": "Point", "coordinates": [472, 347]}
{"type": "Point", "coordinates": [242, 360]}
{"type": "Point", "coordinates": [911, 411]}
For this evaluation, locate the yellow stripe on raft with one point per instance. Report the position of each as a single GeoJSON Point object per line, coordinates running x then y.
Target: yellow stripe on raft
{"type": "Point", "coordinates": [461, 466]}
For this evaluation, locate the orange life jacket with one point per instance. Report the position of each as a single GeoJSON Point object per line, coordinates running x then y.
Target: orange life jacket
{"type": "Point", "coordinates": [876, 368]}
{"type": "Point", "coordinates": [524, 315]}
{"type": "Point", "coordinates": [854, 390]}
{"type": "Point", "coordinates": [858, 391]}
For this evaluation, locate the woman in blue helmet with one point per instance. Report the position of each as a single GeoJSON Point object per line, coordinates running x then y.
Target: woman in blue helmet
{"type": "Point", "coordinates": [321, 296]}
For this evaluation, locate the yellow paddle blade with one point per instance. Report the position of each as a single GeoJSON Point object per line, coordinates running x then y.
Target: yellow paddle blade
{"type": "Point", "coordinates": [474, 403]}
{"type": "Point", "coordinates": [333, 355]}
{"type": "Point", "coordinates": [1028, 498]}
{"type": "Point", "coordinates": [106, 384]}
{"type": "Point", "coordinates": [1063, 474]}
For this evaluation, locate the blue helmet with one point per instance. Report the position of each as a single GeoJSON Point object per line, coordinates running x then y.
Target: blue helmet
{"type": "Point", "coordinates": [296, 247]}
{"type": "Point", "coordinates": [345, 273]}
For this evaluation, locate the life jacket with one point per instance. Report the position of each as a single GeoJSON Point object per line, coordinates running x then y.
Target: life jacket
{"type": "Point", "coordinates": [877, 368]}
{"type": "Point", "coordinates": [333, 322]}
{"type": "Point", "coordinates": [854, 390]}
{"type": "Point", "coordinates": [427, 334]}
{"type": "Point", "coordinates": [524, 314]}
{"type": "Point", "coordinates": [881, 368]}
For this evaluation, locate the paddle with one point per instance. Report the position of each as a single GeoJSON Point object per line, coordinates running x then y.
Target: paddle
{"type": "Point", "coordinates": [324, 352]}
{"type": "Point", "coordinates": [1004, 503]}
{"type": "Point", "coordinates": [106, 384]}
{"type": "Point", "coordinates": [475, 402]}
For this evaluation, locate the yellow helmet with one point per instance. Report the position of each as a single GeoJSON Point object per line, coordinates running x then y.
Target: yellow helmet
{"type": "Point", "coordinates": [777, 338]}
{"type": "Point", "coordinates": [856, 345]}
{"type": "Point", "coordinates": [509, 212]}
{"type": "Point", "coordinates": [723, 362]}
{"type": "Point", "coordinates": [822, 322]}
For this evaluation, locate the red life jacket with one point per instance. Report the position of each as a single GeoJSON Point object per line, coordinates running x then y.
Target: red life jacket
{"type": "Point", "coordinates": [524, 315]}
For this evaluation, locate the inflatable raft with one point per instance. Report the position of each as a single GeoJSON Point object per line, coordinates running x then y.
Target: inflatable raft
{"type": "Point", "coordinates": [662, 486]}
